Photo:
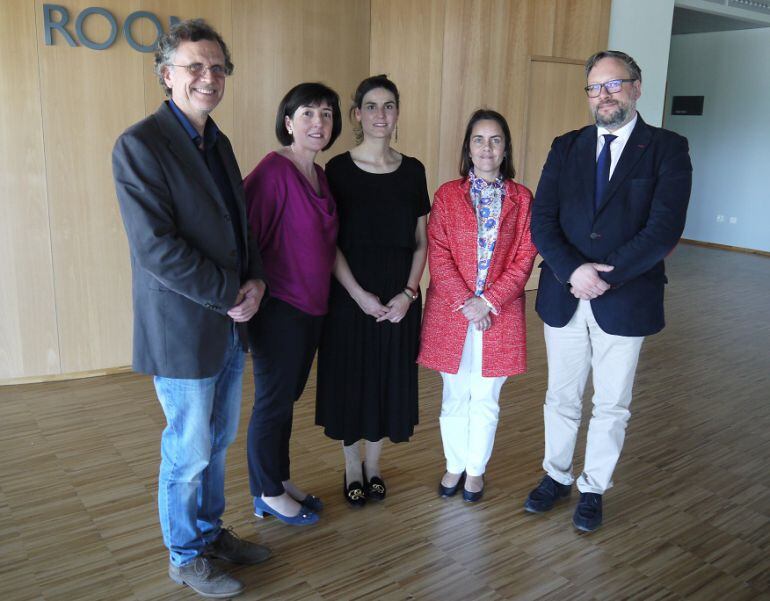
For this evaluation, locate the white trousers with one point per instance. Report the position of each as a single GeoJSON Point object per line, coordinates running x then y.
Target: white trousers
{"type": "Point", "coordinates": [573, 350]}
{"type": "Point", "coordinates": [469, 411]}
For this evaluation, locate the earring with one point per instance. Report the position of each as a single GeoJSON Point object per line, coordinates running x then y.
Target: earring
{"type": "Point", "coordinates": [291, 131]}
{"type": "Point", "coordinates": [396, 133]}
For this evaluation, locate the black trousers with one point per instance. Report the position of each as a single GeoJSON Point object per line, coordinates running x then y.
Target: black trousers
{"type": "Point", "coordinates": [283, 342]}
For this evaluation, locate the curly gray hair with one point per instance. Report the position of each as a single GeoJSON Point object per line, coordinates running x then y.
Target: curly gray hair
{"type": "Point", "coordinates": [191, 30]}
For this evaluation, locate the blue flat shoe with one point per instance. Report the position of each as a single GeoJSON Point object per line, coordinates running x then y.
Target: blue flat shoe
{"type": "Point", "coordinates": [304, 518]}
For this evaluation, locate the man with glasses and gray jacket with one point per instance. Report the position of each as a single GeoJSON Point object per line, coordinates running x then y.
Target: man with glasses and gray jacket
{"type": "Point", "coordinates": [196, 282]}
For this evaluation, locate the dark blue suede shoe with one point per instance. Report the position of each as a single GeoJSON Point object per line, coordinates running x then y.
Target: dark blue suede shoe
{"type": "Point", "coordinates": [305, 517]}
{"type": "Point", "coordinates": [588, 513]}
{"type": "Point", "coordinates": [546, 494]}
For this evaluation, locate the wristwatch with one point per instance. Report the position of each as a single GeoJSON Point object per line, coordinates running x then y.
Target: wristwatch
{"type": "Point", "coordinates": [410, 294]}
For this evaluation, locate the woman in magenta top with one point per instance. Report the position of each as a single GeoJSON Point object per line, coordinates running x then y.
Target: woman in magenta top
{"type": "Point", "coordinates": [294, 219]}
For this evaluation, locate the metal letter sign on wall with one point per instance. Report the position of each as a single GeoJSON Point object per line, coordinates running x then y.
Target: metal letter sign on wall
{"type": "Point", "coordinates": [60, 23]}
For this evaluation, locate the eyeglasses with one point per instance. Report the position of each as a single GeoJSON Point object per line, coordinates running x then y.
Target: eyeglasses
{"type": "Point", "coordinates": [613, 87]}
{"type": "Point", "coordinates": [199, 69]}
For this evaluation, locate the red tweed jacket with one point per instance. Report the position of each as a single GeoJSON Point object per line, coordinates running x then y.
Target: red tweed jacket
{"type": "Point", "coordinates": [452, 241]}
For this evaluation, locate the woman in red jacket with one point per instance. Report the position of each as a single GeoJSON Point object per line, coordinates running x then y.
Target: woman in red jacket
{"type": "Point", "coordinates": [480, 254]}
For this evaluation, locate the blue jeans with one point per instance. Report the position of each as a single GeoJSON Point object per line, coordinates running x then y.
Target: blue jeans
{"type": "Point", "coordinates": [201, 422]}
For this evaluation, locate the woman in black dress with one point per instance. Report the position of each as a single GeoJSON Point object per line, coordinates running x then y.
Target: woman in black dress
{"type": "Point", "coordinates": [367, 375]}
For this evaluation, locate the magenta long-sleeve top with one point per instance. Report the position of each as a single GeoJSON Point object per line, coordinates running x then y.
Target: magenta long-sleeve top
{"type": "Point", "coordinates": [296, 229]}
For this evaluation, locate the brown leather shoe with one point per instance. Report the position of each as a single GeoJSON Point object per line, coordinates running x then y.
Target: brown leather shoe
{"type": "Point", "coordinates": [230, 547]}
{"type": "Point", "coordinates": [202, 576]}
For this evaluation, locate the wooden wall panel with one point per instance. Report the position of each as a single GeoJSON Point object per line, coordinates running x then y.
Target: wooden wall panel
{"type": "Point", "coordinates": [572, 30]}
{"type": "Point", "coordinates": [487, 48]}
{"type": "Point", "coordinates": [569, 28]}
{"type": "Point", "coordinates": [485, 62]}
{"type": "Point", "coordinates": [543, 27]}
{"type": "Point", "coordinates": [420, 41]}
{"type": "Point", "coordinates": [550, 115]}
{"type": "Point", "coordinates": [65, 298]}
{"type": "Point", "coordinates": [581, 27]}
{"type": "Point", "coordinates": [88, 98]}
{"type": "Point", "coordinates": [28, 338]}
{"type": "Point", "coordinates": [278, 45]}
{"type": "Point", "coordinates": [413, 60]}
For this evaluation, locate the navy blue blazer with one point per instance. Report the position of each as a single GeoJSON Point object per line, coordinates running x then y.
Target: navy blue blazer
{"type": "Point", "coordinates": [638, 223]}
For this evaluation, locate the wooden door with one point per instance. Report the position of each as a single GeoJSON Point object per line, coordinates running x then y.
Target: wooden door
{"type": "Point", "coordinates": [556, 104]}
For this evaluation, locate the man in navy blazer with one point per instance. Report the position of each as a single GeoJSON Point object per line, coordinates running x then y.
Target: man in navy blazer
{"type": "Point", "coordinates": [610, 205]}
{"type": "Point", "coordinates": [196, 282]}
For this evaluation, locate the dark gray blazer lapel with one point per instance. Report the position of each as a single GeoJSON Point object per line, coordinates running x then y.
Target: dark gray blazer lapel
{"type": "Point", "coordinates": [190, 158]}
{"type": "Point", "coordinates": [236, 180]}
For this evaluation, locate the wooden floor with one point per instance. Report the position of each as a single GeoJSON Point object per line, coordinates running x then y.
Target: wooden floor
{"type": "Point", "coordinates": [689, 517]}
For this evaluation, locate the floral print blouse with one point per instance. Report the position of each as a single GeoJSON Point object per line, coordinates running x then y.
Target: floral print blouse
{"type": "Point", "coordinates": [487, 199]}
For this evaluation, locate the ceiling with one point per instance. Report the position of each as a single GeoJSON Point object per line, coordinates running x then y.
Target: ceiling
{"type": "Point", "coordinates": [693, 21]}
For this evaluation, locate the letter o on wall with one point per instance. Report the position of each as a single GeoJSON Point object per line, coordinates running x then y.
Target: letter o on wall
{"type": "Point", "coordinates": [82, 36]}
{"type": "Point", "coordinates": [142, 14]}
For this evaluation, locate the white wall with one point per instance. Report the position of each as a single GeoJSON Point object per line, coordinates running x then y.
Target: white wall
{"type": "Point", "coordinates": [730, 142]}
{"type": "Point", "coordinates": [642, 28]}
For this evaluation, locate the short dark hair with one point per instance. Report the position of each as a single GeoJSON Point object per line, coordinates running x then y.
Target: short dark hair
{"type": "Point", "coordinates": [366, 86]}
{"type": "Point", "coordinates": [191, 30]}
{"type": "Point", "coordinates": [506, 167]}
{"type": "Point", "coordinates": [307, 94]}
{"type": "Point", "coordinates": [634, 71]}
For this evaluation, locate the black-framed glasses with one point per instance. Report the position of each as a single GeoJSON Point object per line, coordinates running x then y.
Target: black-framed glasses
{"type": "Point", "coordinates": [612, 86]}
{"type": "Point", "coordinates": [198, 69]}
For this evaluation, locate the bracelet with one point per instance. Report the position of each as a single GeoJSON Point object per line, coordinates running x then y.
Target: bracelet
{"type": "Point", "coordinates": [410, 294]}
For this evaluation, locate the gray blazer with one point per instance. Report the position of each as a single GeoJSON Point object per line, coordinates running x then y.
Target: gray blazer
{"type": "Point", "coordinates": [183, 249]}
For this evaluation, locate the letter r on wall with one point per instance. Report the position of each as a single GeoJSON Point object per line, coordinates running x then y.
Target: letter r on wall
{"type": "Point", "coordinates": [49, 24]}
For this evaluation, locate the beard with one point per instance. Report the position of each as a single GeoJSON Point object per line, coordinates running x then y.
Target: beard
{"type": "Point", "coordinates": [615, 118]}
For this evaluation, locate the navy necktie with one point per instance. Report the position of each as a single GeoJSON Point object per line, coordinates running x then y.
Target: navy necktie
{"type": "Point", "coordinates": [603, 170]}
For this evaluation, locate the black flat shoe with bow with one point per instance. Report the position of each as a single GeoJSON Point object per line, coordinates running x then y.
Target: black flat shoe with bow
{"type": "Point", "coordinates": [312, 503]}
{"type": "Point", "coordinates": [354, 493]}
{"type": "Point", "coordinates": [375, 488]}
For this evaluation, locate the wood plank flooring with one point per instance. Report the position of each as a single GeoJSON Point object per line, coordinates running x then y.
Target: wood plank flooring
{"type": "Point", "coordinates": [689, 517]}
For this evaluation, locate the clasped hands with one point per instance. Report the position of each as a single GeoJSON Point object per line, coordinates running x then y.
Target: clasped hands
{"type": "Point", "coordinates": [247, 302]}
{"type": "Point", "coordinates": [393, 312]}
{"type": "Point", "coordinates": [586, 282]}
{"type": "Point", "coordinates": [476, 310]}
